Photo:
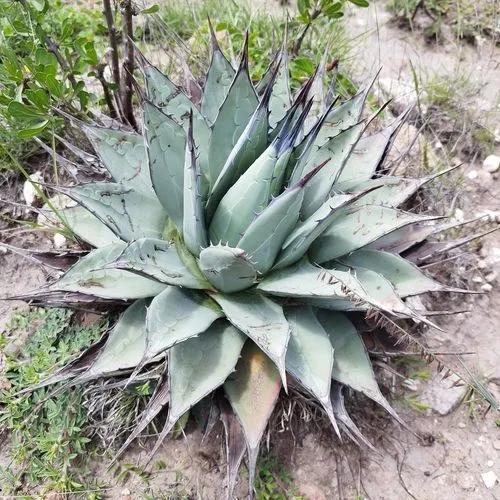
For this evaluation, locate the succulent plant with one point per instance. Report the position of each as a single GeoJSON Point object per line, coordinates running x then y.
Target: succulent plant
{"type": "Point", "coordinates": [241, 232]}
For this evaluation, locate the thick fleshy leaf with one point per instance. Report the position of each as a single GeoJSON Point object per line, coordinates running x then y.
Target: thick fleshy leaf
{"type": "Point", "coordinates": [176, 315]}
{"type": "Point", "coordinates": [219, 78]}
{"type": "Point", "coordinates": [250, 145]}
{"type": "Point", "coordinates": [343, 417]}
{"type": "Point", "coordinates": [358, 228]}
{"type": "Point", "coordinates": [390, 191]}
{"type": "Point", "coordinates": [228, 269]}
{"type": "Point", "coordinates": [301, 238]}
{"type": "Point", "coordinates": [265, 235]}
{"type": "Point", "coordinates": [232, 119]}
{"type": "Point", "coordinates": [336, 151]}
{"type": "Point", "coordinates": [129, 214]}
{"type": "Point", "coordinates": [406, 278]}
{"type": "Point", "coordinates": [351, 365]}
{"type": "Point", "coordinates": [403, 238]}
{"type": "Point", "coordinates": [157, 259]}
{"type": "Point", "coordinates": [197, 367]}
{"type": "Point", "coordinates": [124, 156]}
{"type": "Point", "coordinates": [343, 117]}
{"type": "Point", "coordinates": [166, 148]}
{"type": "Point", "coordinates": [371, 287]}
{"type": "Point", "coordinates": [280, 98]}
{"type": "Point", "coordinates": [125, 345]}
{"type": "Point", "coordinates": [246, 198]}
{"type": "Point", "coordinates": [301, 279]}
{"type": "Point", "coordinates": [362, 285]}
{"type": "Point", "coordinates": [172, 100]}
{"type": "Point", "coordinates": [90, 277]}
{"type": "Point", "coordinates": [309, 357]}
{"type": "Point", "coordinates": [369, 154]}
{"type": "Point", "coordinates": [336, 304]}
{"type": "Point", "coordinates": [88, 227]}
{"type": "Point", "coordinates": [262, 320]}
{"type": "Point", "coordinates": [193, 228]}
{"type": "Point", "coordinates": [253, 391]}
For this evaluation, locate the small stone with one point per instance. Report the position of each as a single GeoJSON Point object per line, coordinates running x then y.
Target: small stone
{"type": "Point", "coordinates": [496, 444]}
{"type": "Point", "coordinates": [486, 288]}
{"type": "Point", "coordinates": [30, 194]}
{"type": "Point", "coordinates": [441, 396]}
{"type": "Point", "coordinates": [489, 463]}
{"type": "Point", "coordinates": [491, 163]}
{"type": "Point", "coordinates": [477, 279]}
{"type": "Point", "coordinates": [491, 277]}
{"type": "Point", "coordinates": [472, 175]}
{"type": "Point", "coordinates": [462, 425]}
{"type": "Point", "coordinates": [5, 384]}
{"type": "Point", "coordinates": [489, 479]}
{"type": "Point", "coordinates": [482, 264]}
{"type": "Point", "coordinates": [125, 494]}
{"type": "Point", "coordinates": [59, 240]}
{"type": "Point", "coordinates": [459, 215]}
{"type": "Point", "coordinates": [466, 482]}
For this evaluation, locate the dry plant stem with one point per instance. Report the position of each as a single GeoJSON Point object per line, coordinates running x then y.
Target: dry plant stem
{"type": "Point", "coordinates": [115, 63]}
{"type": "Point", "coordinates": [53, 47]}
{"type": "Point", "coordinates": [105, 88]}
{"type": "Point", "coordinates": [128, 64]}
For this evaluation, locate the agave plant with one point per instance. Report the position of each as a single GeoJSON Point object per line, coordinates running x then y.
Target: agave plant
{"type": "Point", "coordinates": [241, 232]}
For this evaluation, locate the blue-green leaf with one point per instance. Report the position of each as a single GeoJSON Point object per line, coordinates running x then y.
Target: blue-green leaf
{"type": "Point", "coordinates": [228, 269]}
{"type": "Point", "coordinates": [127, 213]}
{"type": "Point", "coordinates": [159, 260]}
{"type": "Point", "coordinates": [197, 367]}
{"type": "Point", "coordinates": [358, 228]}
{"type": "Point", "coordinates": [232, 119]}
{"type": "Point", "coordinates": [193, 229]}
{"type": "Point", "coordinates": [262, 320]}
{"type": "Point", "coordinates": [219, 78]}
{"type": "Point", "coordinates": [352, 365]}
{"type": "Point", "coordinates": [166, 141]}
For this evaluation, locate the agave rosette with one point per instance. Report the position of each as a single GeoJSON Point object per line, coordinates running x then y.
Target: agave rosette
{"type": "Point", "coordinates": [241, 231]}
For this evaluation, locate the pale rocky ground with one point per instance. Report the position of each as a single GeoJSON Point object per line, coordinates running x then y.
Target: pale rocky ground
{"type": "Point", "coordinates": [460, 452]}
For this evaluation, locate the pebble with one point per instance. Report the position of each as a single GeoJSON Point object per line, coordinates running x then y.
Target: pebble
{"type": "Point", "coordinates": [466, 482]}
{"type": "Point", "coordinates": [491, 163]}
{"type": "Point", "coordinates": [490, 277]}
{"type": "Point", "coordinates": [459, 215]}
{"type": "Point", "coordinates": [29, 191]}
{"type": "Point", "coordinates": [462, 425]}
{"type": "Point", "coordinates": [496, 444]}
{"type": "Point", "coordinates": [472, 175]}
{"type": "Point", "coordinates": [477, 279]}
{"type": "Point", "coordinates": [59, 240]}
{"type": "Point", "coordinates": [490, 463]}
{"type": "Point", "coordinates": [486, 288]}
{"type": "Point", "coordinates": [440, 396]}
{"type": "Point", "coordinates": [489, 479]}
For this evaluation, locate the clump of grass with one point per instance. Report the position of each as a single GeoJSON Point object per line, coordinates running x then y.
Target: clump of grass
{"type": "Point", "coordinates": [49, 442]}
{"type": "Point", "coordinates": [186, 23]}
{"type": "Point", "coordinates": [274, 482]}
{"type": "Point", "coordinates": [466, 19]}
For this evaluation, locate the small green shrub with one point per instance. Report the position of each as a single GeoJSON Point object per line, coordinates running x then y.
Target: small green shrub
{"type": "Point", "coordinates": [49, 438]}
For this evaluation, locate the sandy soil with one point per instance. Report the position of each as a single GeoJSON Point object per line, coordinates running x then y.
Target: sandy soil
{"type": "Point", "coordinates": [457, 450]}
